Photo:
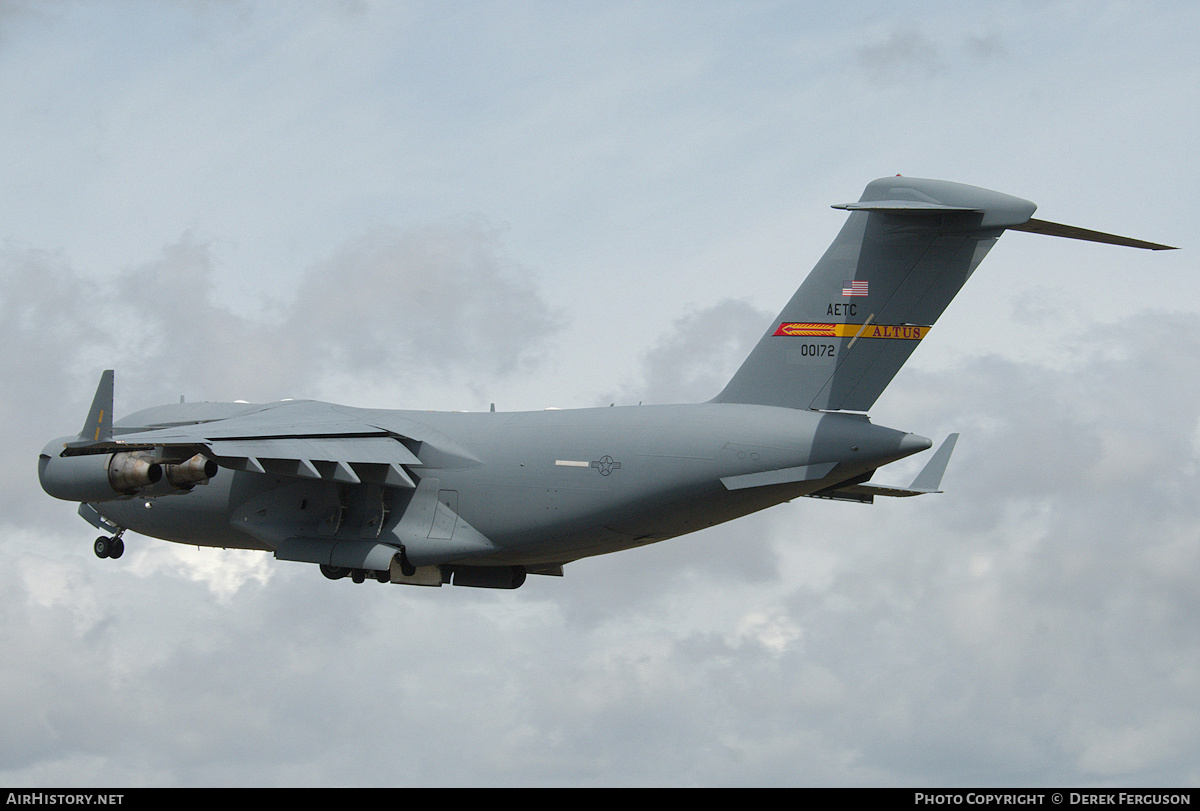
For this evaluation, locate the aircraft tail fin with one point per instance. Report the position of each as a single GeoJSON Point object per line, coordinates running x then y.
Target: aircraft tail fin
{"type": "Point", "coordinates": [98, 425]}
{"type": "Point", "coordinates": [907, 248]}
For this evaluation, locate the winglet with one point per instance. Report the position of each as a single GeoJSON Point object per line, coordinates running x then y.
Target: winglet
{"type": "Point", "coordinates": [930, 477]}
{"type": "Point", "coordinates": [98, 426]}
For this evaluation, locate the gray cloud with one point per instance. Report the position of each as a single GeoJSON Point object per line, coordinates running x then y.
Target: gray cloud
{"type": "Point", "coordinates": [694, 360]}
{"type": "Point", "coordinates": [410, 305]}
{"type": "Point", "coordinates": [907, 52]}
{"type": "Point", "coordinates": [906, 49]}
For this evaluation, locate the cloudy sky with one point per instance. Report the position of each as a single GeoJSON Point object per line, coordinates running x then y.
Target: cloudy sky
{"type": "Point", "coordinates": [432, 205]}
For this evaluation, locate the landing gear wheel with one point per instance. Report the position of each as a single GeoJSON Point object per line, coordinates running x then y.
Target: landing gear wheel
{"type": "Point", "coordinates": [334, 572]}
{"type": "Point", "coordinates": [112, 547]}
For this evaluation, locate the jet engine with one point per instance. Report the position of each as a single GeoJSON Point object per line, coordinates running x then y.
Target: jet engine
{"type": "Point", "coordinates": [104, 477]}
{"type": "Point", "coordinates": [190, 473]}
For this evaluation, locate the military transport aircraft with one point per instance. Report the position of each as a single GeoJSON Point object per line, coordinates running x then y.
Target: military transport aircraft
{"type": "Point", "coordinates": [483, 499]}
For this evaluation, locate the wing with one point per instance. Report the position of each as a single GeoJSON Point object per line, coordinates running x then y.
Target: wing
{"type": "Point", "coordinates": [302, 439]}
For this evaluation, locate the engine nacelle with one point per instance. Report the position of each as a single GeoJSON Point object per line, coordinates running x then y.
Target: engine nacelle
{"type": "Point", "coordinates": [192, 472]}
{"type": "Point", "coordinates": [129, 472]}
{"type": "Point", "coordinates": [180, 478]}
{"type": "Point", "coordinates": [107, 476]}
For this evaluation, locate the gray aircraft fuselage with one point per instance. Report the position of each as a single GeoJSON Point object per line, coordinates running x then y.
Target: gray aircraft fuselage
{"type": "Point", "coordinates": [543, 486]}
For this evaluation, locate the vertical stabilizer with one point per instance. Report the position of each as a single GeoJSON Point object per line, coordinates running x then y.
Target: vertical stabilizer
{"type": "Point", "coordinates": [907, 248]}
{"type": "Point", "coordinates": [98, 425]}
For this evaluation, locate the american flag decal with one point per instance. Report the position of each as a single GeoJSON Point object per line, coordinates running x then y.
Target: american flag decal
{"type": "Point", "coordinates": [854, 288]}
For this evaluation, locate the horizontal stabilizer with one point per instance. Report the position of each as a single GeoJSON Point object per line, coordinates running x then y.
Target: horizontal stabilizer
{"type": "Point", "coordinates": [927, 481]}
{"type": "Point", "coordinates": [915, 196]}
{"type": "Point", "coordinates": [930, 477]}
{"type": "Point", "coordinates": [902, 207]}
{"type": "Point", "coordinates": [1054, 229]}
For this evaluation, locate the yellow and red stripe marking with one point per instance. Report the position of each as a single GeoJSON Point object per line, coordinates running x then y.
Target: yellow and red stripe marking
{"type": "Point", "coordinates": [901, 332]}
